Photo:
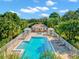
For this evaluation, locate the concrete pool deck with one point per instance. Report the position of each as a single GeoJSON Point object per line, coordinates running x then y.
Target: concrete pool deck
{"type": "Point", "coordinates": [27, 38]}
{"type": "Point", "coordinates": [64, 51]}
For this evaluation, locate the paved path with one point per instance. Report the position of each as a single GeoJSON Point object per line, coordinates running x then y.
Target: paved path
{"type": "Point", "coordinates": [61, 48]}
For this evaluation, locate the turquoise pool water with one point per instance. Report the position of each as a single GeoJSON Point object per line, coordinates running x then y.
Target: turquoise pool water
{"type": "Point", "coordinates": [34, 48]}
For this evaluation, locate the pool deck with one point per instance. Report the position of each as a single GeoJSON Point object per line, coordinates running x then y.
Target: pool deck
{"type": "Point", "coordinates": [60, 50]}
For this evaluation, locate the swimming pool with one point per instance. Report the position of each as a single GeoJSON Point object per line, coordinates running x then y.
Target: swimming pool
{"type": "Point", "coordinates": [34, 48]}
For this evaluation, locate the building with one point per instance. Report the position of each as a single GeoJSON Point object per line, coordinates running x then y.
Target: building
{"type": "Point", "coordinates": [39, 28]}
{"type": "Point", "coordinates": [51, 32]}
{"type": "Point", "coordinates": [27, 30]}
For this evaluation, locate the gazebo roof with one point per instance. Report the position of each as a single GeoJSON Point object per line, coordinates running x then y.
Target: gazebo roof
{"type": "Point", "coordinates": [50, 29]}
{"type": "Point", "coordinates": [27, 29]}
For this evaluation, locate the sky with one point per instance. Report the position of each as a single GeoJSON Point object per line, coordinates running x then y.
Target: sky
{"type": "Point", "coordinates": [37, 8]}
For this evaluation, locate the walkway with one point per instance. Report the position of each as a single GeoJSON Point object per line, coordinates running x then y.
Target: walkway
{"type": "Point", "coordinates": [61, 48]}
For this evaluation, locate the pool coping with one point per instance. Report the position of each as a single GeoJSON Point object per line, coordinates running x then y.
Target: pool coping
{"type": "Point", "coordinates": [22, 50]}
{"type": "Point", "coordinates": [18, 50]}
